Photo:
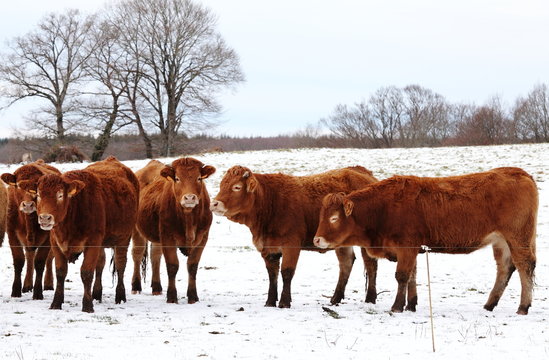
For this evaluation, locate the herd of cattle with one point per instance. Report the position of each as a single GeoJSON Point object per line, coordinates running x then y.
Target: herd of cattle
{"type": "Point", "coordinates": [53, 215]}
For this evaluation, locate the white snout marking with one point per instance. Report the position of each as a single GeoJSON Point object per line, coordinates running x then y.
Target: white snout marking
{"type": "Point", "coordinates": [218, 208]}
{"type": "Point", "coordinates": [320, 242]}
{"type": "Point", "coordinates": [189, 201]}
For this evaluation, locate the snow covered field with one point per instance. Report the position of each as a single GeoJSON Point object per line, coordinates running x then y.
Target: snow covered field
{"type": "Point", "coordinates": [230, 320]}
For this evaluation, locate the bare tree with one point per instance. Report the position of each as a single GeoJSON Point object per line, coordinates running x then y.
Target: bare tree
{"type": "Point", "coordinates": [387, 109]}
{"type": "Point", "coordinates": [183, 62]}
{"type": "Point", "coordinates": [47, 63]}
{"type": "Point", "coordinates": [355, 124]}
{"type": "Point", "coordinates": [531, 115]}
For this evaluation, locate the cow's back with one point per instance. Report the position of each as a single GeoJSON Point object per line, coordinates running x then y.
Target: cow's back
{"type": "Point", "coordinates": [295, 201]}
{"type": "Point", "coordinates": [149, 173]}
{"type": "Point", "coordinates": [119, 189]}
{"type": "Point", "coordinates": [458, 210]}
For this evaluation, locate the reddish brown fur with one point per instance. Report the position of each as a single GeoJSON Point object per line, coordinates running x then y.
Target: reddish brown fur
{"type": "Point", "coordinates": [169, 225]}
{"type": "Point", "coordinates": [282, 214]}
{"type": "Point", "coordinates": [145, 176]}
{"type": "Point", "coordinates": [3, 210]}
{"type": "Point", "coordinates": [456, 215]}
{"type": "Point", "coordinates": [91, 208]}
{"type": "Point", "coordinates": [27, 240]}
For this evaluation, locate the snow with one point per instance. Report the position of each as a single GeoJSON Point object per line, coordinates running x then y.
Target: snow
{"type": "Point", "coordinates": [230, 320]}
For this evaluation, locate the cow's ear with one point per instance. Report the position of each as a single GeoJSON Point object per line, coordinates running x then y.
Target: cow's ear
{"type": "Point", "coordinates": [74, 187]}
{"type": "Point", "coordinates": [206, 171]}
{"type": "Point", "coordinates": [9, 179]}
{"type": "Point", "coordinates": [28, 186]}
{"type": "Point", "coordinates": [348, 207]}
{"type": "Point", "coordinates": [251, 184]}
{"type": "Point", "coordinates": [168, 172]}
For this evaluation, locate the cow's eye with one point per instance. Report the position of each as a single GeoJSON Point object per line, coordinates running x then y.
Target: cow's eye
{"type": "Point", "coordinates": [334, 219]}
{"type": "Point", "coordinates": [237, 187]}
{"type": "Point", "coordinates": [199, 179]}
{"type": "Point", "coordinates": [60, 196]}
{"type": "Point", "coordinates": [177, 179]}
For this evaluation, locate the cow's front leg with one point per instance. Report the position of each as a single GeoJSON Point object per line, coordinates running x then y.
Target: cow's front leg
{"type": "Point", "coordinates": [405, 266]}
{"type": "Point", "coordinates": [29, 255]}
{"type": "Point", "coordinates": [412, 290]}
{"type": "Point", "coordinates": [289, 262]}
{"type": "Point", "coordinates": [192, 267]}
{"type": "Point", "coordinates": [346, 258]}
{"type": "Point", "coordinates": [39, 264]}
{"type": "Point", "coordinates": [89, 264]}
{"type": "Point", "coordinates": [272, 263]}
{"type": "Point", "coordinates": [61, 265]}
{"type": "Point", "coordinates": [172, 266]}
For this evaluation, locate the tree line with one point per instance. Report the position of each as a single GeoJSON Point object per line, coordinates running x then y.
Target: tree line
{"type": "Point", "coordinates": [414, 116]}
{"type": "Point", "coordinates": [155, 65]}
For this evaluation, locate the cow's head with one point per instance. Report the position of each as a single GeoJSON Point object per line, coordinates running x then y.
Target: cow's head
{"type": "Point", "coordinates": [25, 199]}
{"type": "Point", "coordinates": [236, 192]}
{"type": "Point", "coordinates": [53, 194]}
{"type": "Point", "coordinates": [336, 222]}
{"type": "Point", "coordinates": [187, 175]}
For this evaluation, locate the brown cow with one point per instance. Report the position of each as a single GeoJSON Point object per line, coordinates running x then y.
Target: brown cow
{"type": "Point", "coordinates": [3, 210]}
{"type": "Point", "coordinates": [282, 214]}
{"type": "Point", "coordinates": [174, 213]}
{"type": "Point", "coordinates": [27, 240]}
{"type": "Point", "coordinates": [455, 215]}
{"type": "Point", "coordinates": [86, 210]}
{"type": "Point", "coordinates": [145, 176]}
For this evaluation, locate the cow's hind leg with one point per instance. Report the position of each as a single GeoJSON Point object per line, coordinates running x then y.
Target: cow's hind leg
{"type": "Point", "coordinates": [346, 258]}
{"type": "Point", "coordinates": [370, 268]}
{"type": "Point", "coordinates": [505, 268]}
{"type": "Point", "coordinates": [120, 261]}
{"type": "Point", "coordinates": [272, 263]}
{"type": "Point", "coordinates": [97, 293]}
{"type": "Point", "coordinates": [289, 263]}
{"type": "Point", "coordinates": [156, 258]}
{"type": "Point", "coordinates": [139, 256]}
{"type": "Point", "coordinates": [524, 259]}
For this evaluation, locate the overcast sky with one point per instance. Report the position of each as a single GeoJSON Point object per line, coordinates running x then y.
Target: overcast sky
{"type": "Point", "coordinates": [303, 57]}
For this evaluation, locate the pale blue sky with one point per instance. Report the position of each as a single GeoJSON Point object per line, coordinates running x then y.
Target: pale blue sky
{"type": "Point", "coordinates": [303, 57]}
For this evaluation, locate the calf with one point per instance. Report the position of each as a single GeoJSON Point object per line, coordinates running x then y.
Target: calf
{"type": "Point", "coordinates": [174, 213]}
{"type": "Point", "coordinates": [85, 211]}
{"type": "Point", "coordinates": [455, 215]}
{"type": "Point", "coordinates": [282, 214]}
{"type": "Point", "coordinates": [26, 239]}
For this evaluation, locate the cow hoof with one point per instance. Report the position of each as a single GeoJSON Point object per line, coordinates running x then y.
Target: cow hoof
{"type": "Point", "coordinates": [48, 287]}
{"type": "Point", "coordinates": [55, 306]}
{"type": "Point", "coordinates": [155, 293]}
{"type": "Point", "coordinates": [396, 309]}
{"type": "Point", "coordinates": [134, 292]}
{"type": "Point", "coordinates": [490, 307]}
{"type": "Point", "coordinates": [411, 308]}
{"type": "Point", "coordinates": [38, 297]}
{"type": "Point", "coordinates": [523, 310]}
{"type": "Point", "coordinates": [283, 305]}
{"type": "Point", "coordinates": [371, 298]}
{"type": "Point", "coordinates": [336, 299]}
{"type": "Point", "coordinates": [27, 289]}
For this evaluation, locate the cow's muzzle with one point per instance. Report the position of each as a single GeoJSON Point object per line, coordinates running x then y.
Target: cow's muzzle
{"type": "Point", "coordinates": [46, 221]}
{"type": "Point", "coordinates": [189, 201]}
{"type": "Point", "coordinates": [218, 208]}
{"type": "Point", "coordinates": [320, 242]}
{"type": "Point", "coordinates": [27, 207]}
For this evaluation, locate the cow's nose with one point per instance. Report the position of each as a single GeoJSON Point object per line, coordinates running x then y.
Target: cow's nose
{"type": "Point", "coordinates": [27, 207]}
{"type": "Point", "coordinates": [45, 218]}
{"type": "Point", "coordinates": [190, 197]}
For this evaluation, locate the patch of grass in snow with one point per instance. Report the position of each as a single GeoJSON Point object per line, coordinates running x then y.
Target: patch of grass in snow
{"type": "Point", "coordinates": [107, 319]}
